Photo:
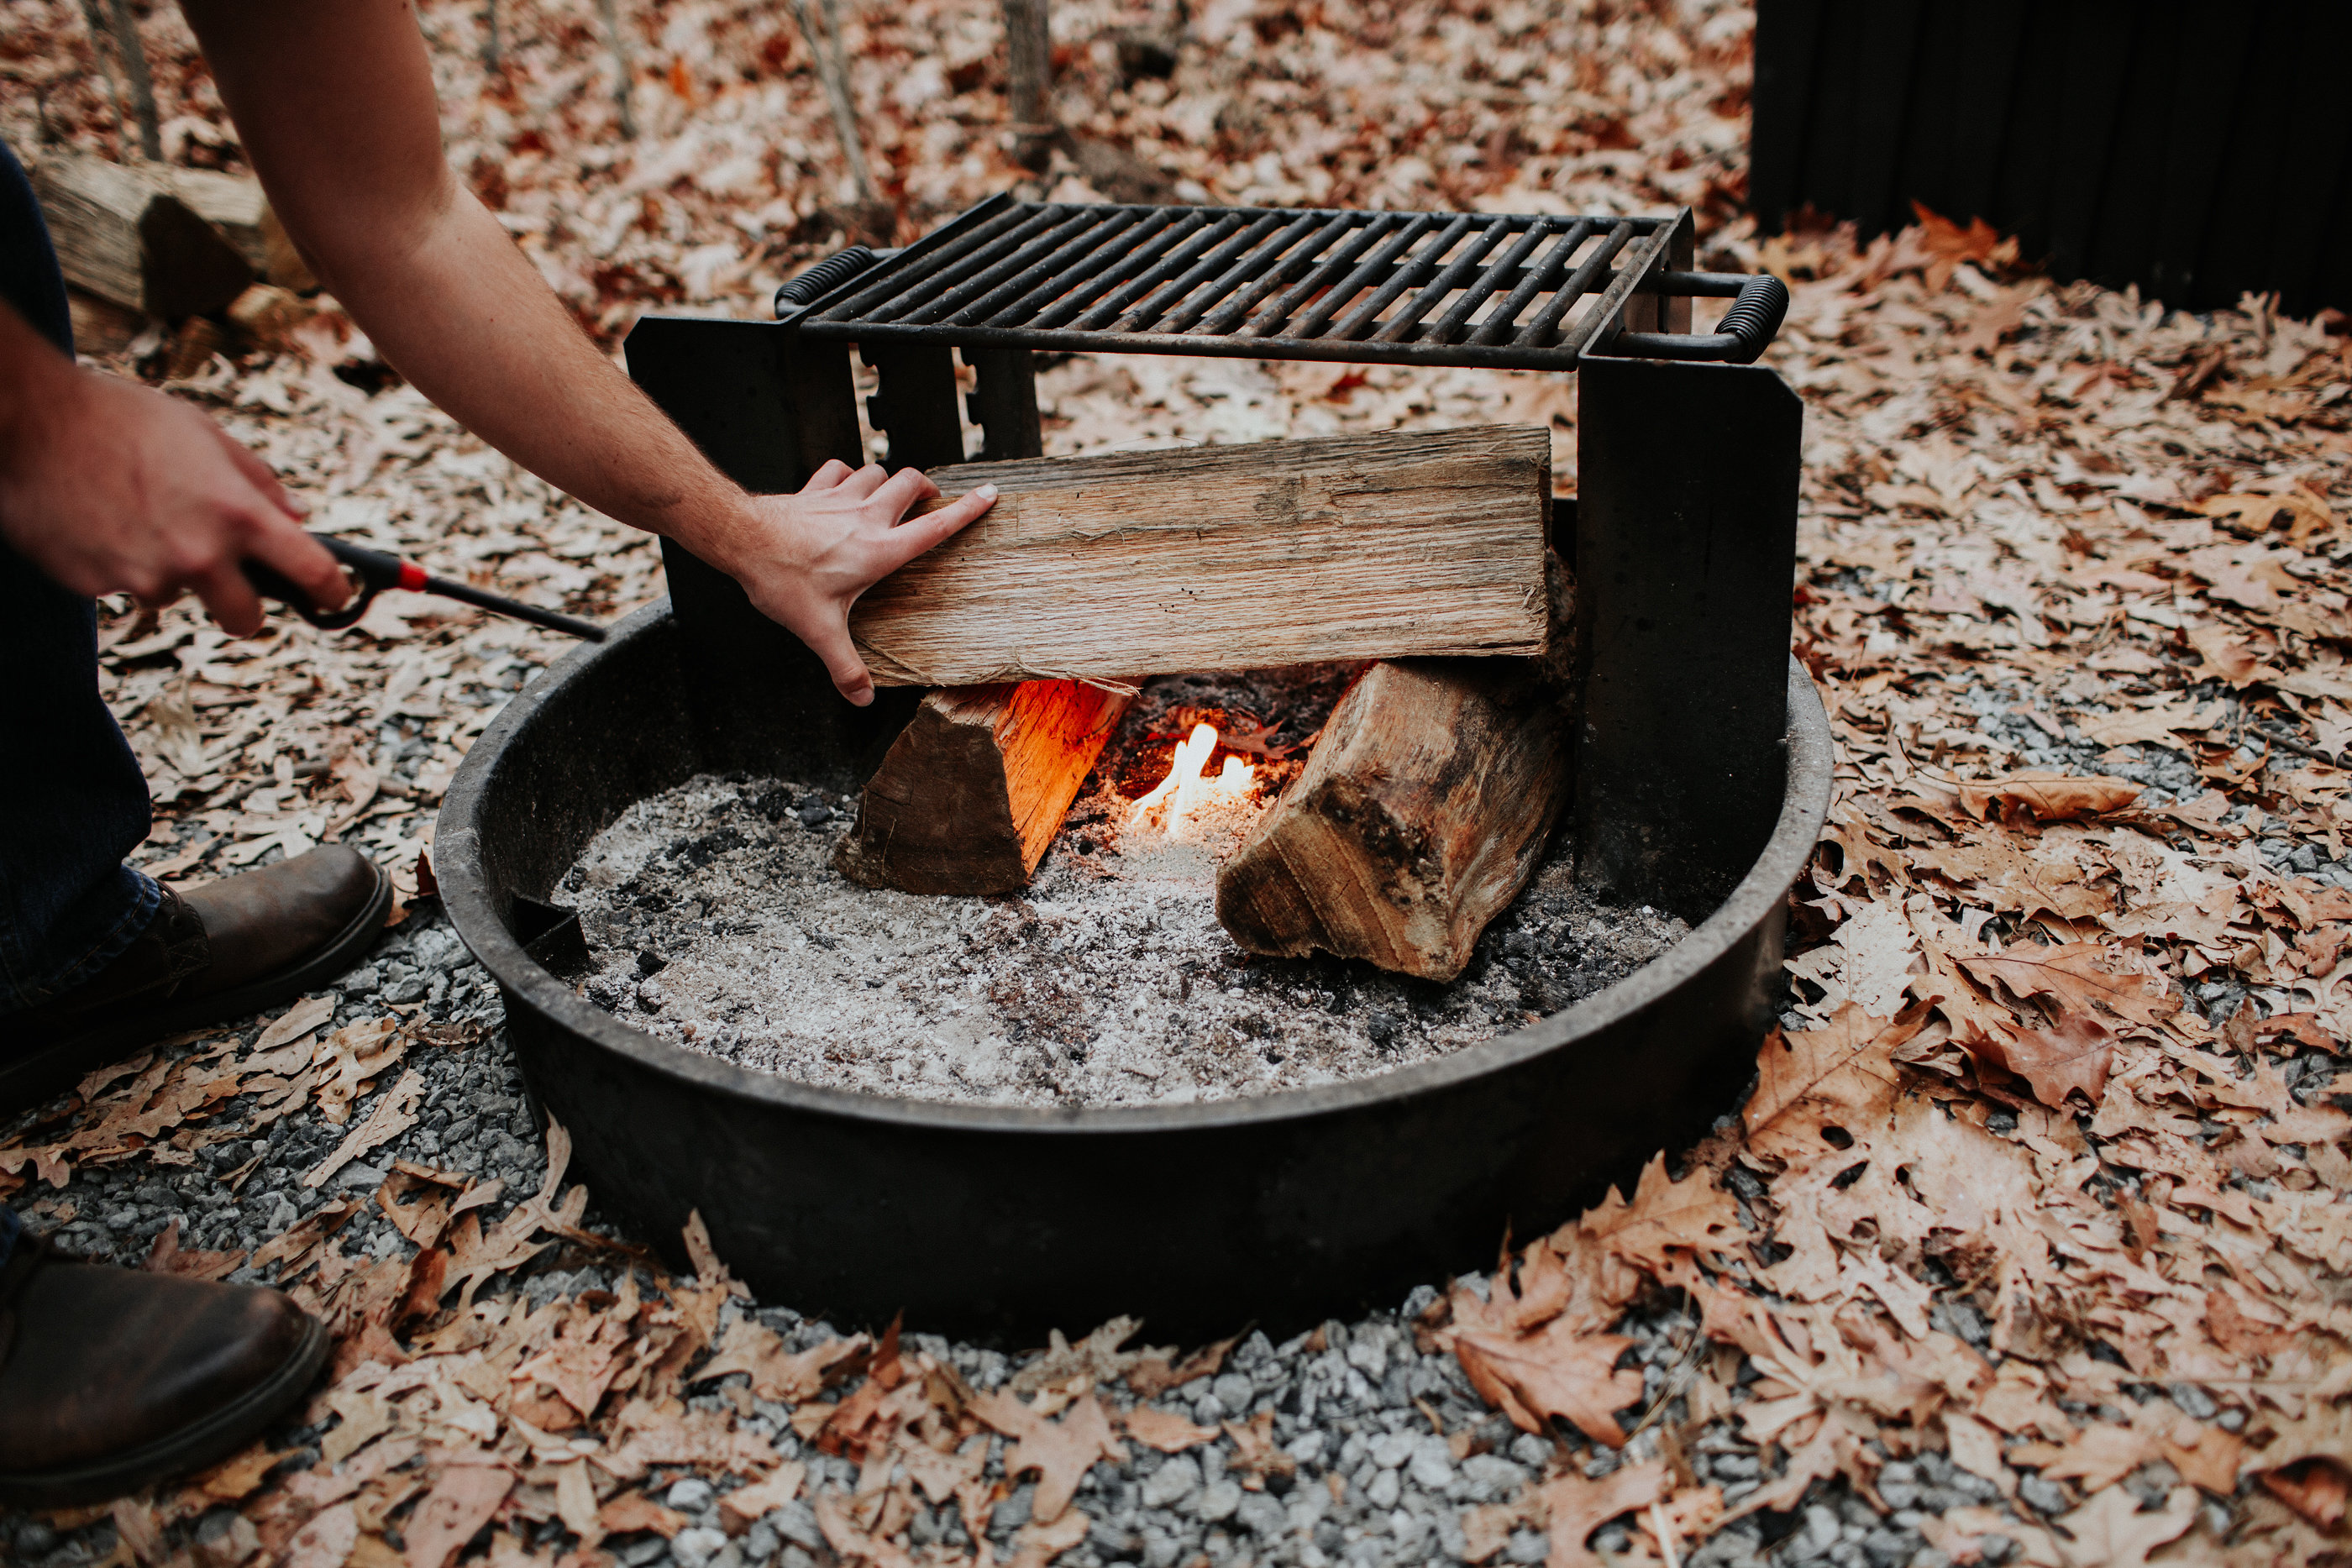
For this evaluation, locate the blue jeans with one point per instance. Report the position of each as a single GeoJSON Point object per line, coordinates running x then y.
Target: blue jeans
{"type": "Point", "coordinates": [72, 799]}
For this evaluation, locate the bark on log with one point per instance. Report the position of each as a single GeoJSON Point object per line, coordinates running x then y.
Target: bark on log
{"type": "Point", "coordinates": [1285, 552]}
{"type": "Point", "coordinates": [141, 238]}
{"type": "Point", "coordinates": [971, 793]}
{"type": "Point", "coordinates": [1421, 811]}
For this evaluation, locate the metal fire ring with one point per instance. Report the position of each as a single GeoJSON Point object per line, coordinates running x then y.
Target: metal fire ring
{"type": "Point", "coordinates": [1002, 1222]}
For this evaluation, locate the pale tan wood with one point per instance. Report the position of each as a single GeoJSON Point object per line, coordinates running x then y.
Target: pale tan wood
{"type": "Point", "coordinates": [137, 238]}
{"type": "Point", "coordinates": [969, 796]}
{"type": "Point", "coordinates": [1423, 809]}
{"type": "Point", "coordinates": [1227, 558]}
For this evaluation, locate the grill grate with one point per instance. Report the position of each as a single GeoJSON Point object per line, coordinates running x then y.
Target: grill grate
{"type": "Point", "coordinates": [1431, 289]}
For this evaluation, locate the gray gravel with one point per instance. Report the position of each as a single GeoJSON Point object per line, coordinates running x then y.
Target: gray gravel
{"type": "Point", "coordinates": [1353, 1407]}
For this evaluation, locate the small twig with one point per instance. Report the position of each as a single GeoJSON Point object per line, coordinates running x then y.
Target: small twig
{"type": "Point", "coordinates": [825, 48]}
{"type": "Point", "coordinates": [2300, 747]}
{"type": "Point", "coordinates": [491, 53]}
{"type": "Point", "coordinates": [142, 86]}
{"type": "Point", "coordinates": [623, 72]}
{"type": "Point", "coordinates": [1664, 1528]}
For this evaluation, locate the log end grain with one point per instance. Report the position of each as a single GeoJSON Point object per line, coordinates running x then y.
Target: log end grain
{"type": "Point", "coordinates": [969, 796]}
{"type": "Point", "coordinates": [1421, 814]}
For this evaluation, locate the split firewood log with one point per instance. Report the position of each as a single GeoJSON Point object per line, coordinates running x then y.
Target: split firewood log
{"type": "Point", "coordinates": [1227, 558]}
{"type": "Point", "coordinates": [147, 239]}
{"type": "Point", "coordinates": [971, 793]}
{"type": "Point", "coordinates": [1423, 809]}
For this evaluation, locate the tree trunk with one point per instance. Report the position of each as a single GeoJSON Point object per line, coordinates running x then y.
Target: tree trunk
{"type": "Point", "coordinates": [143, 85]}
{"type": "Point", "coordinates": [1423, 809]}
{"type": "Point", "coordinates": [970, 795]}
{"type": "Point", "coordinates": [1029, 65]}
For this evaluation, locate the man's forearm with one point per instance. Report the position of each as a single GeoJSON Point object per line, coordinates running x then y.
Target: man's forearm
{"type": "Point", "coordinates": [466, 318]}
{"type": "Point", "coordinates": [334, 101]}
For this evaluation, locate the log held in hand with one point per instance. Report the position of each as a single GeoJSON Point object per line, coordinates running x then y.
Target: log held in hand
{"type": "Point", "coordinates": [1227, 558]}
{"type": "Point", "coordinates": [1421, 814]}
{"type": "Point", "coordinates": [972, 793]}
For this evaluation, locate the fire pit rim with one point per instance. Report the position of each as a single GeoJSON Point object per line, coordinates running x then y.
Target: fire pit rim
{"type": "Point", "coordinates": [465, 894]}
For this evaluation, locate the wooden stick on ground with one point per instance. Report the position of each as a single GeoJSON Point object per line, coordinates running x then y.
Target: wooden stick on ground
{"type": "Point", "coordinates": [1421, 811]}
{"type": "Point", "coordinates": [970, 795]}
{"type": "Point", "coordinates": [1227, 558]}
{"type": "Point", "coordinates": [141, 237]}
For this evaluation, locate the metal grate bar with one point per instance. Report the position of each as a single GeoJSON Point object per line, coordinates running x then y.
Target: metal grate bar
{"type": "Point", "coordinates": [1197, 238]}
{"type": "Point", "coordinates": [1114, 277]}
{"type": "Point", "coordinates": [968, 253]}
{"type": "Point", "coordinates": [1539, 276]}
{"type": "Point", "coordinates": [1356, 322]}
{"type": "Point", "coordinates": [1069, 287]}
{"type": "Point", "coordinates": [1146, 314]}
{"type": "Point", "coordinates": [1450, 326]}
{"type": "Point", "coordinates": [1546, 325]}
{"type": "Point", "coordinates": [1399, 328]}
{"type": "Point", "coordinates": [1233, 311]}
{"type": "Point", "coordinates": [1271, 319]}
{"type": "Point", "coordinates": [1262, 261]}
{"type": "Point", "coordinates": [1021, 258]}
{"type": "Point", "coordinates": [1077, 238]}
{"type": "Point", "coordinates": [1347, 288]}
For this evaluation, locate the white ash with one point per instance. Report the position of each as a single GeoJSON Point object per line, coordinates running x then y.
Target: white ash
{"type": "Point", "coordinates": [714, 920]}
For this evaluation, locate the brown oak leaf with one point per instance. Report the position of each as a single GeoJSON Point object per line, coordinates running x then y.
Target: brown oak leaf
{"type": "Point", "coordinates": [2081, 974]}
{"type": "Point", "coordinates": [2078, 1055]}
{"type": "Point", "coordinates": [2111, 1531]}
{"type": "Point", "coordinates": [1577, 1507]}
{"type": "Point", "coordinates": [1061, 1452]}
{"type": "Point", "coordinates": [2317, 1488]}
{"type": "Point", "coordinates": [1555, 1372]}
{"type": "Point", "coordinates": [2046, 797]}
{"type": "Point", "coordinates": [1693, 1214]}
{"type": "Point", "coordinates": [1812, 1077]}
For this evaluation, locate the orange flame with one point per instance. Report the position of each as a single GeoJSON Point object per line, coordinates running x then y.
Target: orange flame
{"type": "Point", "coordinates": [1184, 787]}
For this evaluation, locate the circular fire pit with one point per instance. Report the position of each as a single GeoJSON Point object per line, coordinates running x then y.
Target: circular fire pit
{"type": "Point", "coordinates": [986, 1220]}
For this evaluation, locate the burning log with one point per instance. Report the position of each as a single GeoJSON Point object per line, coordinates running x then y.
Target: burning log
{"type": "Point", "coordinates": [973, 790]}
{"type": "Point", "coordinates": [1421, 811]}
{"type": "Point", "coordinates": [1283, 552]}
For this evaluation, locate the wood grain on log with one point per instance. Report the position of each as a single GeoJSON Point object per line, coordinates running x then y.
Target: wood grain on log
{"type": "Point", "coordinates": [1283, 552]}
{"type": "Point", "coordinates": [971, 794]}
{"type": "Point", "coordinates": [135, 238]}
{"type": "Point", "coordinates": [1423, 809]}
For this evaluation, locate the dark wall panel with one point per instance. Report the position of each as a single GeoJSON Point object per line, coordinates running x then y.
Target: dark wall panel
{"type": "Point", "coordinates": [2198, 150]}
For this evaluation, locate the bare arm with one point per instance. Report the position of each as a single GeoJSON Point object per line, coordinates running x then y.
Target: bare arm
{"type": "Point", "coordinates": [334, 101]}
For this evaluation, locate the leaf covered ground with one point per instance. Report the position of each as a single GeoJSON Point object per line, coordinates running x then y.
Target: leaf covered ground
{"type": "Point", "coordinates": [2029, 1240]}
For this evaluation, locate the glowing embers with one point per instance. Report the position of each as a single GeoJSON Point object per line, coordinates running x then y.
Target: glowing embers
{"type": "Point", "coordinates": [1185, 788]}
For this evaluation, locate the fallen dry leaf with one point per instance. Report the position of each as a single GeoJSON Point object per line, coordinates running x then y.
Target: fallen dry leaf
{"type": "Point", "coordinates": [2079, 975]}
{"type": "Point", "coordinates": [2111, 1531]}
{"type": "Point", "coordinates": [459, 1503]}
{"type": "Point", "coordinates": [1577, 1507]}
{"type": "Point", "coordinates": [2317, 1488]}
{"type": "Point", "coordinates": [1164, 1429]}
{"type": "Point", "coordinates": [2046, 797]}
{"type": "Point", "coordinates": [2073, 1057]}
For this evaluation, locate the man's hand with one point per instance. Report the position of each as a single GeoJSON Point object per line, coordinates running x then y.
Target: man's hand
{"type": "Point", "coordinates": [805, 558]}
{"type": "Point", "coordinates": [109, 486]}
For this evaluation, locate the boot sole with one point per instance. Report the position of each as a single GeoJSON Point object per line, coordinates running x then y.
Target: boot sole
{"type": "Point", "coordinates": [192, 1447]}
{"type": "Point", "coordinates": [27, 1080]}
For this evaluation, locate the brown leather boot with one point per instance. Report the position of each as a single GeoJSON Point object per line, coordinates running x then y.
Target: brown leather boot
{"type": "Point", "coordinates": [216, 952]}
{"type": "Point", "coordinates": [111, 1379]}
